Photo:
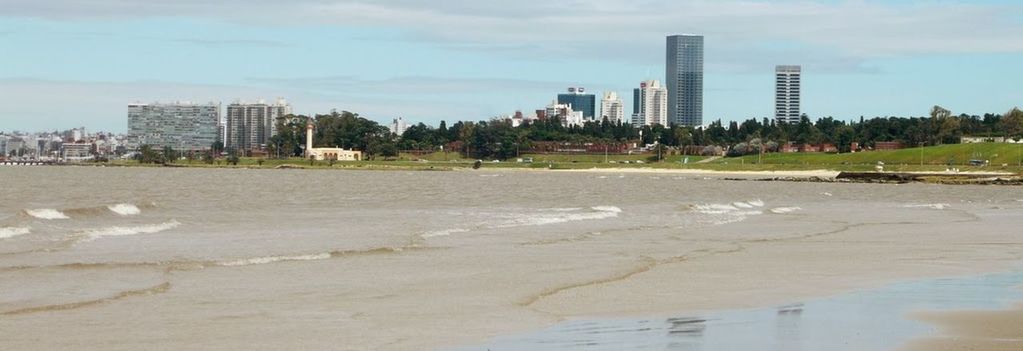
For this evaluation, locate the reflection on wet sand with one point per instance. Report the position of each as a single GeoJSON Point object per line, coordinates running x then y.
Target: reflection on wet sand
{"type": "Point", "coordinates": [865, 320]}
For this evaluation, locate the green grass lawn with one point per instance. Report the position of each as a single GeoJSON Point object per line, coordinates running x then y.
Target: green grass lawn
{"type": "Point", "coordinates": [907, 160]}
{"type": "Point", "coordinates": [934, 158]}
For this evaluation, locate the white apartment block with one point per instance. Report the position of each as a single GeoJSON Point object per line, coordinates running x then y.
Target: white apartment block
{"type": "Point", "coordinates": [787, 93]}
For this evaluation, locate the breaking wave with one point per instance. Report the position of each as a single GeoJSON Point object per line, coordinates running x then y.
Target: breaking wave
{"type": "Point", "coordinates": [127, 231]}
{"type": "Point", "coordinates": [125, 209]}
{"type": "Point", "coordinates": [930, 206]}
{"type": "Point", "coordinates": [534, 218]}
{"type": "Point", "coordinates": [784, 210]}
{"type": "Point", "coordinates": [444, 232]}
{"type": "Point", "coordinates": [554, 217]}
{"type": "Point", "coordinates": [46, 213]}
{"type": "Point", "coordinates": [274, 259]}
{"type": "Point", "coordinates": [717, 214]}
{"type": "Point", "coordinates": [10, 232]}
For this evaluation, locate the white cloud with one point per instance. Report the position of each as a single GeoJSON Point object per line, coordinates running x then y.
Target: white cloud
{"type": "Point", "coordinates": [611, 29]}
{"type": "Point", "coordinates": [52, 104]}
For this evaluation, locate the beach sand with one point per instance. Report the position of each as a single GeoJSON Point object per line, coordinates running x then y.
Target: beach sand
{"type": "Point", "coordinates": [973, 330]}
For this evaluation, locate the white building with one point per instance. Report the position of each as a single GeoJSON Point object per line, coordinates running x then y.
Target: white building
{"type": "Point", "coordinates": [565, 113]}
{"type": "Point", "coordinates": [327, 153]}
{"type": "Point", "coordinates": [611, 108]}
{"type": "Point", "coordinates": [251, 125]}
{"type": "Point", "coordinates": [651, 104]}
{"type": "Point", "coordinates": [786, 94]}
{"type": "Point", "coordinates": [398, 126]}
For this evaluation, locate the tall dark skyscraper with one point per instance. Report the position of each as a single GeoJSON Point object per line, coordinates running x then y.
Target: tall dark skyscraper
{"type": "Point", "coordinates": [684, 76]}
{"type": "Point", "coordinates": [580, 101]}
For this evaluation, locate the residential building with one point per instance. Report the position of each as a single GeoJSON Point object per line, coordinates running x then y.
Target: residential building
{"type": "Point", "coordinates": [398, 126]}
{"type": "Point", "coordinates": [564, 112]}
{"type": "Point", "coordinates": [651, 103]}
{"type": "Point", "coordinates": [180, 125]}
{"type": "Point", "coordinates": [684, 78]}
{"type": "Point", "coordinates": [251, 125]}
{"type": "Point", "coordinates": [76, 152]}
{"type": "Point", "coordinates": [580, 101]}
{"type": "Point", "coordinates": [787, 93]}
{"type": "Point", "coordinates": [611, 108]}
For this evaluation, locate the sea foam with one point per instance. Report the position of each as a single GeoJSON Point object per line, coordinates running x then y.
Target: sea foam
{"type": "Point", "coordinates": [738, 211]}
{"type": "Point", "coordinates": [10, 232]}
{"type": "Point", "coordinates": [930, 206]}
{"type": "Point", "coordinates": [274, 259]}
{"type": "Point", "coordinates": [125, 209]}
{"type": "Point", "coordinates": [784, 210]}
{"type": "Point", "coordinates": [128, 231]}
{"type": "Point", "coordinates": [444, 232]}
{"type": "Point", "coordinates": [46, 213]}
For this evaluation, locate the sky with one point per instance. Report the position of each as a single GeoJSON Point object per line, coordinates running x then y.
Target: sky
{"type": "Point", "coordinates": [72, 63]}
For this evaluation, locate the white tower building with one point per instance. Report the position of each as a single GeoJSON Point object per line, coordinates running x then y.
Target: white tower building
{"type": "Point", "coordinates": [786, 93]}
{"type": "Point", "coordinates": [611, 108]}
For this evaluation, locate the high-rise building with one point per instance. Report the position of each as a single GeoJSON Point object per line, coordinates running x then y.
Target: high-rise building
{"type": "Point", "coordinates": [685, 79]}
{"type": "Point", "coordinates": [250, 126]}
{"type": "Point", "coordinates": [580, 102]}
{"type": "Point", "coordinates": [180, 125]}
{"type": "Point", "coordinates": [651, 100]}
{"type": "Point", "coordinates": [787, 93]}
{"type": "Point", "coordinates": [611, 108]}
{"type": "Point", "coordinates": [398, 126]}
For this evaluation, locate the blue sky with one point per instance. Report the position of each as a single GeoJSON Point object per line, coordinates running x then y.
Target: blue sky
{"type": "Point", "coordinates": [69, 63]}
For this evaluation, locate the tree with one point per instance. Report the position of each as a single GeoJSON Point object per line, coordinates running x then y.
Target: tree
{"type": "Point", "coordinates": [169, 155]}
{"type": "Point", "coordinates": [1012, 124]}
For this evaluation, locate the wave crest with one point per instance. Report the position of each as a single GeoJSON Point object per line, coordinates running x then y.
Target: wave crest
{"type": "Point", "coordinates": [274, 259]}
{"type": "Point", "coordinates": [125, 209]}
{"type": "Point", "coordinates": [10, 232]}
{"type": "Point", "coordinates": [46, 213]}
{"type": "Point", "coordinates": [128, 231]}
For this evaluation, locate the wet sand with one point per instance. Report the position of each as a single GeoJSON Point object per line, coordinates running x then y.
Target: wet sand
{"type": "Point", "coordinates": [973, 330]}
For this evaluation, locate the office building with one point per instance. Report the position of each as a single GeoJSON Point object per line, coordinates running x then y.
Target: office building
{"type": "Point", "coordinates": [398, 126]}
{"type": "Point", "coordinates": [611, 108]}
{"type": "Point", "coordinates": [651, 102]}
{"type": "Point", "coordinates": [181, 125]}
{"type": "Point", "coordinates": [580, 101]}
{"type": "Point", "coordinates": [787, 93]}
{"type": "Point", "coordinates": [250, 126]}
{"type": "Point", "coordinates": [684, 79]}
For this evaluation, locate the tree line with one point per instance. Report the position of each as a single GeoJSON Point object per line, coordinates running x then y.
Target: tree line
{"type": "Point", "coordinates": [497, 138]}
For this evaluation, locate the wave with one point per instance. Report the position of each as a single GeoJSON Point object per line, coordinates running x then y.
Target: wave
{"type": "Point", "coordinates": [554, 217]}
{"type": "Point", "coordinates": [127, 231]}
{"type": "Point", "coordinates": [444, 232]}
{"type": "Point", "coordinates": [274, 259]}
{"type": "Point", "coordinates": [718, 214]}
{"type": "Point", "coordinates": [125, 209]}
{"type": "Point", "coordinates": [46, 213]}
{"type": "Point", "coordinates": [784, 210]}
{"type": "Point", "coordinates": [154, 290]}
{"type": "Point", "coordinates": [930, 206]}
{"type": "Point", "coordinates": [10, 232]}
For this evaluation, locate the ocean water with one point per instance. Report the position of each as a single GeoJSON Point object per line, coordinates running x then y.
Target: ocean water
{"type": "Point", "coordinates": [140, 258]}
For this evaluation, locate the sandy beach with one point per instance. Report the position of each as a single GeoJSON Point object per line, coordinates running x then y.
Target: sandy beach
{"type": "Point", "coordinates": [973, 330]}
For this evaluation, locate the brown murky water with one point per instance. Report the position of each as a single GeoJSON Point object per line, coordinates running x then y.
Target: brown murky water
{"type": "Point", "coordinates": [259, 259]}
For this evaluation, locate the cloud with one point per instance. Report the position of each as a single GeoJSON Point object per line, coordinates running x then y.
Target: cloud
{"type": "Point", "coordinates": [849, 31]}
{"type": "Point", "coordinates": [412, 85]}
{"type": "Point", "coordinates": [39, 104]}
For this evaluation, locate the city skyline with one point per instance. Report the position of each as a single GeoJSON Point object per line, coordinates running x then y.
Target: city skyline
{"type": "Point", "coordinates": [894, 54]}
